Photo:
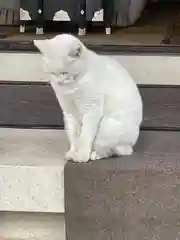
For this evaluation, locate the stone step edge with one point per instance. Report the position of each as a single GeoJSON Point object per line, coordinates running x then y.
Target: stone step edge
{"type": "Point", "coordinates": [32, 170]}
{"type": "Point", "coordinates": [32, 189]}
{"type": "Point", "coordinates": [145, 69]}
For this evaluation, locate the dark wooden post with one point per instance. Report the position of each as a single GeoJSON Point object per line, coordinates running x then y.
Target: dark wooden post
{"type": "Point", "coordinates": [108, 14]}
{"type": "Point", "coordinates": [82, 18]}
{"type": "Point", "coordinates": [40, 17]}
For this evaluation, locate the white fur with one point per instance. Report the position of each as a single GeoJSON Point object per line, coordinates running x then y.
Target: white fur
{"type": "Point", "coordinates": [101, 104]}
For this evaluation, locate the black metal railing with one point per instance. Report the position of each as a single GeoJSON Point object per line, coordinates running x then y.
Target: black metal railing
{"type": "Point", "coordinates": [40, 17]}
{"type": "Point", "coordinates": [108, 15]}
{"type": "Point", "coordinates": [81, 20]}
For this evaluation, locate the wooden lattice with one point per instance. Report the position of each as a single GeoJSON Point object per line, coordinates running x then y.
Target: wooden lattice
{"type": "Point", "coordinates": [9, 17]}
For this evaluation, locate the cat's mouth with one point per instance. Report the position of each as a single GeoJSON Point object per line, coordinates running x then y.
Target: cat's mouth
{"type": "Point", "coordinates": [65, 78]}
{"type": "Point", "coordinates": [64, 73]}
{"type": "Point", "coordinates": [62, 78]}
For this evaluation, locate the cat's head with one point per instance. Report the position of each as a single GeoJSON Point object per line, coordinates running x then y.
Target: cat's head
{"type": "Point", "coordinates": [63, 57]}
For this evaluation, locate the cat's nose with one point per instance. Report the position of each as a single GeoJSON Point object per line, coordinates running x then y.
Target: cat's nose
{"type": "Point", "coordinates": [64, 73]}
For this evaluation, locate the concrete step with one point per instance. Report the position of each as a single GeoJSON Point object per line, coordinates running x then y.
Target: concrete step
{"type": "Point", "coordinates": [32, 184]}
{"type": "Point", "coordinates": [31, 170]}
{"type": "Point", "coordinates": [29, 226]}
{"type": "Point", "coordinates": [145, 69]}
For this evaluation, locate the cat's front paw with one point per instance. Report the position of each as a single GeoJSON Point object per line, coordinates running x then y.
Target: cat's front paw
{"type": "Point", "coordinates": [69, 155]}
{"type": "Point", "coordinates": [96, 156]}
{"type": "Point", "coordinates": [81, 156]}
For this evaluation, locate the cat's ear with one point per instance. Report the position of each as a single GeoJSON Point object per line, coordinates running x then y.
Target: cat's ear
{"type": "Point", "coordinates": [42, 45]}
{"type": "Point", "coordinates": [76, 51]}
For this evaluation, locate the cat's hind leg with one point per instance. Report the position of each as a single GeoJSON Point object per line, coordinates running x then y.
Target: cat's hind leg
{"type": "Point", "coordinates": [123, 150]}
{"type": "Point", "coordinates": [96, 156]}
{"type": "Point", "coordinates": [115, 138]}
{"type": "Point", "coordinates": [120, 150]}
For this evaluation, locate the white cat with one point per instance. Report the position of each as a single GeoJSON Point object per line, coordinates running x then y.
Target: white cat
{"type": "Point", "coordinates": [101, 103]}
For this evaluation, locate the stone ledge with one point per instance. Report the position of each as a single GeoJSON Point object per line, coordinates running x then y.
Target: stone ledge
{"type": "Point", "coordinates": [32, 170]}
{"type": "Point", "coordinates": [145, 69]}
